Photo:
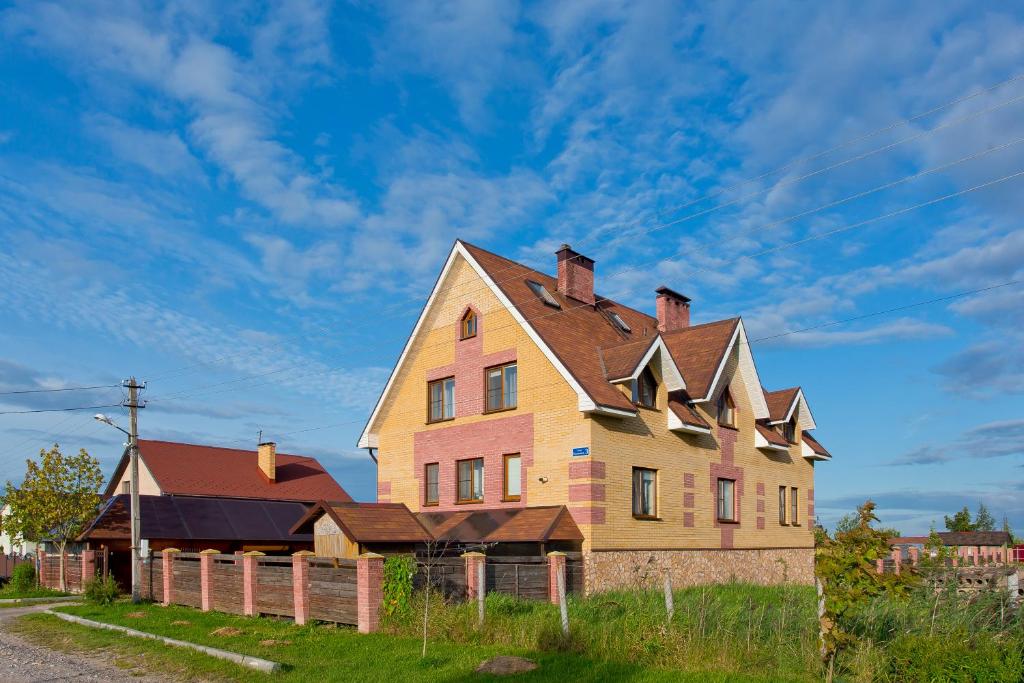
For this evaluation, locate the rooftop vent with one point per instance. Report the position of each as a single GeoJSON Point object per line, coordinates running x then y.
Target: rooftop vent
{"type": "Point", "coordinates": [620, 322]}
{"type": "Point", "coordinates": [543, 294]}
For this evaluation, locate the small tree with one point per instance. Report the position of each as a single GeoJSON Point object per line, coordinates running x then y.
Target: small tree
{"type": "Point", "coordinates": [984, 521]}
{"type": "Point", "coordinates": [961, 521]}
{"type": "Point", "coordinates": [59, 495]}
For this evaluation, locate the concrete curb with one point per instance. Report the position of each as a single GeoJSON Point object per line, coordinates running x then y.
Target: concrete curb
{"type": "Point", "coordinates": [37, 601]}
{"type": "Point", "coordinates": [264, 665]}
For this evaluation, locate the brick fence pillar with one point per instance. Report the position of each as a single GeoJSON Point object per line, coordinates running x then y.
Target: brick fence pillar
{"type": "Point", "coordinates": [41, 573]}
{"type": "Point", "coordinates": [956, 557]}
{"type": "Point", "coordinates": [897, 557]}
{"type": "Point", "coordinates": [300, 585]}
{"type": "Point", "coordinates": [880, 566]}
{"type": "Point", "coordinates": [168, 572]}
{"type": "Point", "coordinates": [206, 578]}
{"type": "Point", "coordinates": [556, 567]}
{"type": "Point", "coordinates": [369, 590]}
{"type": "Point", "coordinates": [473, 561]}
{"type": "Point", "coordinates": [249, 562]}
{"type": "Point", "coordinates": [913, 556]}
{"type": "Point", "coordinates": [974, 556]}
{"type": "Point", "coordinates": [88, 566]}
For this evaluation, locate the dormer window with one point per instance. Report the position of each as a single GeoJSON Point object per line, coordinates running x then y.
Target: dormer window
{"type": "Point", "coordinates": [543, 294]}
{"type": "Point", "coordinates": [468, 329]}
{"type": "Point", "coordinates": [645, 389]}
{"type": "Point", "coordinates": [617, 319]}
{"type": "Point", "coordinates": [789, 430]}
{"type": "Point", "coordinates": [726, 409]}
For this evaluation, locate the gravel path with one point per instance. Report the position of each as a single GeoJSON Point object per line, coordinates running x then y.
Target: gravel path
{"type": "Point", "coordinates": [22, 662]}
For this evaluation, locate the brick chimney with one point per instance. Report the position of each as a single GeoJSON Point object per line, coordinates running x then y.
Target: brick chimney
{"type": "Point", "coordinates": [673, 310]}
{"type": "Point", "coordinates": [575, 275]}
{"type": "Point", "coordinates": [267, 460]}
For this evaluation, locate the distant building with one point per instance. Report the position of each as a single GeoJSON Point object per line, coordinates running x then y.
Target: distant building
{"type": "Point", "coordinates": [12, 546]}
{"type": "Point", "coordinates": [983, 544]}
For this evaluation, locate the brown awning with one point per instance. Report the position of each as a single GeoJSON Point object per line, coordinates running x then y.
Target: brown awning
{"type": "Point", "coordinates": [503, 525]}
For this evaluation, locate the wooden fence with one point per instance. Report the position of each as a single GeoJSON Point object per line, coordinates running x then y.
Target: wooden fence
{"type": "Point", "coordinates": [77, 569]}
{"type": "Point", "coordinates": [526, 577]}
{"type": "Point", "coordinates": [9, 562]}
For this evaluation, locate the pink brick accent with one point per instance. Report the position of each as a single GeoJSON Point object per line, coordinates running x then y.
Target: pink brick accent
{"type": "Point", "coordinates": [206, 579]}
{"type": "Point", "coordinates": [168, 572]}
{"type": "Point", "coordinates": [897, 558]}
{"type": "Point", "coordinates": [88, 565]}
{"type": "Point", "coordinates": [473, 562]}
{"type": "Point", "coordinates": [383, 491]}
{"type": "Point", "coordinates": [760, 507]}
{"type": "Point", "coordinates": [880, 566]}
{"type": "Point", "coordinates": [726, 470]}
{"type": "Point", "coordinates": [300, 586]}
{"type": "Point", "coordinates": [760, 522]}
{"type": "Point", "coordinates": [688, 499]}
{"type": "Point", "coordinates": [369, 591]}
{"type": "Point", "coordinates": [913, 555]}
{"type": "Point", "coordinates": [586, 469]}
{"type": "Point", "coordinates": [689, 481]}
{"type": "Point", "coordinates": [688, 519]}
{"type": "Point", "coordinates": [760, 488]}
{"type": "Point", "coordinates": [490, 440]}
{"type": "Point", "coordinates": [810, 494]}
{"type": "Point", "coordinates": [556, 567]}
{"type": "Point", "coordinates": [583, 493]}
{"type": "Point", "coordinates": [595, 515]}
{"type": "Point", "coordinates": [727, 541]}
{"type": "Point", "coordinates": [249, 585]}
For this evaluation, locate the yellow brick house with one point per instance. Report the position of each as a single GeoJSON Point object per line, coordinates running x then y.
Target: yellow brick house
{"type": "Point", "coordinates": [517, 389]}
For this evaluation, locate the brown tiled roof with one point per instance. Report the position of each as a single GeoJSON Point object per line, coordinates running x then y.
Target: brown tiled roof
{"type": "Point", "coordinates": [191, 470]}
{"type": "Point", "coordinates": [678, 403]}
{"type": "Point", "coordinates": [190, 518]}
{"type": "Point", "coordinates": [815, 445]}
{"type": "Point", "coordinates": [779, 402]}
{"type": "Point", "coordinates": [368, 522]}
{"type": "Point", "coordinates": [698, 351]}
{"type": "Point", "coordinates": [574, 333]}
{"type": "Point", "coordinates": [975, 538]}
{"type": "Point", "coordinates": [620, 361]}
{"type": "Point", "coordinates": [771, 435]}
{"type": "Point", "coordinates": [506, 525]}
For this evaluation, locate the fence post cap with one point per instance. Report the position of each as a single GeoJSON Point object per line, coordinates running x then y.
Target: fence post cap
{"type": "Point", "coordinates": [254, 553]}
{"type": "Point", "coordinates": [209, 551]}
{"type": "Point", "coordinates": [370, 556]}
{"type": "Point", "coordinates": [170, 550]}
{"type": "Point", "coordinates": [303, 553]}
{"type": "Point", "coordinates": [556, 553]}
{"type": "Point", "coordinates": [473, 553]}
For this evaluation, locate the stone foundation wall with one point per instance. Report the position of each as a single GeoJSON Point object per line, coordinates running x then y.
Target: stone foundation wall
{"type": "Point", "coordinates": [630, 569]}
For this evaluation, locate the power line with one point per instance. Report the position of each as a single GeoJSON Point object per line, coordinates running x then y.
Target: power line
{"type": "Point", "coordinates": [58, 410]}
{"type": "Point", "coordinates": [47, 391]}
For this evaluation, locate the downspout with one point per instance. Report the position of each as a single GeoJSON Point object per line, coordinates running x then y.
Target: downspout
{"type": "Point", "coordinates": [373, 456]}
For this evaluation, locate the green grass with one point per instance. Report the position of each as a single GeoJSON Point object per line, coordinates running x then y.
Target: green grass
{"type": "Point", "coordinates": [8, 593]}
{"type": "Point", "coordinates": [317, 652]}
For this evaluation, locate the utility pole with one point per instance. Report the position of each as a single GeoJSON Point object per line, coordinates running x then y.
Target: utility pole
{"type": "Point", "coordinates": [133, 451]}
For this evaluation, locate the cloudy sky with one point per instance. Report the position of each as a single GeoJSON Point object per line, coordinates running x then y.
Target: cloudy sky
{"type": "Point", "coordinates": [247, 207]}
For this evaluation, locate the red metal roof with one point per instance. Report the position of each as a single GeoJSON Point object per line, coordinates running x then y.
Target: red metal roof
{"type": "Point", "coordinates": [192, 470]}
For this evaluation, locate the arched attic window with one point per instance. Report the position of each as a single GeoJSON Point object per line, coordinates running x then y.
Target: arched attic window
{"type": "Point", "coordinates": [726, 409]}
{"type": "Point", "coordinates": [468, 325]}
{"type": "Point", "coordinates": [645, 389]}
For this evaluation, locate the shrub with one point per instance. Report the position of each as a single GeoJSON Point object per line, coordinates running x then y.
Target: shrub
{"type": "Point", "coordinates": [102, 591]}
{"type": "Point", "coordinates": [398, 573]}
{"type": "Point", "coordinates": [23, 579]}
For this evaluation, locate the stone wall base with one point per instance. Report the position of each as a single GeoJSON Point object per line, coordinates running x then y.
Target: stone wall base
{"type": "Point", "coordinates": [632, 569]}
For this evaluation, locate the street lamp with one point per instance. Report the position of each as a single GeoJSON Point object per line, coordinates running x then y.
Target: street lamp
{"type": "Point", "coordinates": [133, 450]}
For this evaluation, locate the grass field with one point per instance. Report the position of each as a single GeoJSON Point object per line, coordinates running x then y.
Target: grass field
{"type": "Point", "coordinates": [8, 593]}
{"type": "Point", "coordinates": [318, 653]}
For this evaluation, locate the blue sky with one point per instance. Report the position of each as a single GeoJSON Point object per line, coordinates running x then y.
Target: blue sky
{"type": "Point", "coordinates": [247, 207]}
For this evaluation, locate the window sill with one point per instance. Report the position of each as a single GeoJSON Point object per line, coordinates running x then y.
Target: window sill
{"type": "Point", "coordinates": [647, 518]}
{"type": "Point", "coordinates": [732, 427]}
{"type": "Point", "coordinates": [728, 521]}
{"type": "Point", "coordinates": [443, 419]}
{"type": "Point", "coordinates": [430, 505]}
{"type": "Point", "coordinates": [517, 499]}
{"type": "Point", "coordinates": [500, 410]}
{"type": "Point", "coordinates": [654, 409]}
{"type": "Point", "coordinates": [469, 502]}
{"type": "Point", "coordinates": [471, 336]}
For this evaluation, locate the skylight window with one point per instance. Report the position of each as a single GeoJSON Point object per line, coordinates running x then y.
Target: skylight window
{"type": "Point", "coordinates": [620, 322]}
{"type": "Point", "coordinates": [543, 294]}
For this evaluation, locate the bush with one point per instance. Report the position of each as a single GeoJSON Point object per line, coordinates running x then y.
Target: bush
{"type": "Point", "coordinates": [23, 579]}
{"type": "Point", "coordinates": [102, 591]}
{"type": "Point", "coordinates": [398, 573]}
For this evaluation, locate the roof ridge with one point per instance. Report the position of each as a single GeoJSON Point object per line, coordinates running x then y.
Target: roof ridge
{"type": "Point", "coordinates": [225, 448]}
{"type": "Point", "coordinates": [733, 320]}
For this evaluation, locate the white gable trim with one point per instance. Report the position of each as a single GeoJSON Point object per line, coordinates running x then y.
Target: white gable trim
{"type": "Point", "coordinates": [369, 439]}
{"type": "Point", "coordinates": [745, 365]}
{"type": "Point", "coordinates": [809, 453]}
{"type": "Point", "coordinates": [670, 374]}
{"type": "Point", "coordinates": [677, 425]}
{"type": "Point", "coordinates": [805, 410]}
{"type": "Point", "coordinates": [761, 442]}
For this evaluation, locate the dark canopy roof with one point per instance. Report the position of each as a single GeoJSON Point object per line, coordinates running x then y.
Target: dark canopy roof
{"type": "Point", "coordinates": [200, 519]}
{"type": "Point", "coordinates": [507, 525]}
{"type": "Point", "coordinates": [368, 522]}
{"type": "Point", "coordinates": [975, 538]}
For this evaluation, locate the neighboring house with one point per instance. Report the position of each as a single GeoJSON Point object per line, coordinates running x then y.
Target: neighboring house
{"type": "Point", "coordinates": [195, 497]}
{"type": "Point", "coordinates": [967, 544]}
{"type": "Point", "coordinates": [518, 390]}
{"type": "Point", "coordinates": [12, 546]}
